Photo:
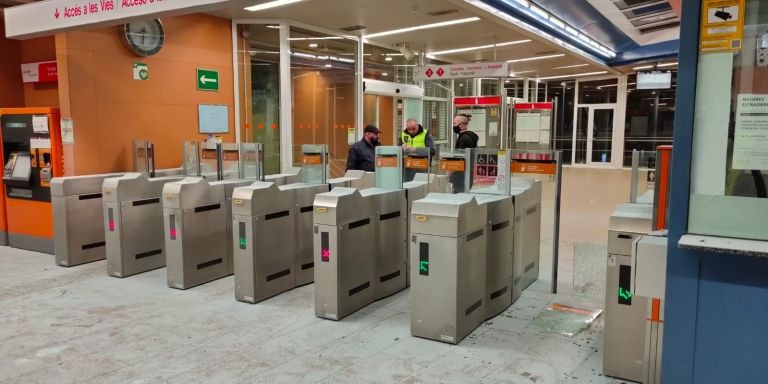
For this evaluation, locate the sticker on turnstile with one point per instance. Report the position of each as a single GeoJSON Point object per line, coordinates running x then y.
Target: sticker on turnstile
{"type": "Point", "coordinates": [325, 248]}
{"type": "Point", "coordinates": [172, 226]}
{"type": "Point", "coordinates": [447, 338]}
{"type": "Point", "coordinates": [611, 260]}
{"type": "Point", "coordinates": [424, 259]}
{"type": "Point", "coordinates": [110, 220]}
{"type": "Point", "coordinates": [625, 295]}
{"type": "Point", "coordinates": [241, 231]}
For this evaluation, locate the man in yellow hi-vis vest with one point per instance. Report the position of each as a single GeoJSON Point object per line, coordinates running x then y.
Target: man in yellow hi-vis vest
{"type": "Point", "coordinates": [415, 136]}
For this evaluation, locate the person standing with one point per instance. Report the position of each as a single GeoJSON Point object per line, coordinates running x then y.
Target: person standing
{"type": "Point", "coordinates": [415, 136]}
{"type": "Point", "coordinates": [466, 139]}
{"type": "Point", "coordinates": [362, 154]}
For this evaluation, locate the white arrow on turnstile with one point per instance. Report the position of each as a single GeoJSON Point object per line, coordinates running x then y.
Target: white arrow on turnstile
{"type": "Point", "coordinates": [205, 80]}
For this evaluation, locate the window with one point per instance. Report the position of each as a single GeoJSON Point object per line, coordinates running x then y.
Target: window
{"type": "Point", "coordinates": [650, 118]}
{"type": "Point", "coordinates": [598, 91]}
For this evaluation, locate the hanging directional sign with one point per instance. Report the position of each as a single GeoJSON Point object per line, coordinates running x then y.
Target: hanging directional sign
{"type": "Point", "coordinates": [207, 80]}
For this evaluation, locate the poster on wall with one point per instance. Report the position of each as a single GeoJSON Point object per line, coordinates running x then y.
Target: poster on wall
{"type": "Point", "coordinates": [750, 147]}
{"type": "Point", "coordinates": [722, 25]}
{"type": "Point", "coordinates": [67, 131]}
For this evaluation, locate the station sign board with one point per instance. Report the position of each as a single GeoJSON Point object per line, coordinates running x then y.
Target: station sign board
{"type": "Point", "coordinates": [460, 71]}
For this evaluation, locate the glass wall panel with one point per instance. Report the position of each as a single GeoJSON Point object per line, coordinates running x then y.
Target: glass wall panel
{"type": "Point", "coordinates": [258, 57]}
{"type": "Point", "coordinates": [323, 93]}
{"type": "Point", "coordinates": [563, 93]}
{"type": "Point", "coordinates": [650, 118]}
{"type": "Point", "coordinates": [388, 65]}
{"type": "Point", "coordinates": [598, 91]}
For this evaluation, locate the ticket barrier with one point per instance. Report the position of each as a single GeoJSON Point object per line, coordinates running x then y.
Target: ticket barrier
{"type": "Point", "coordinates": [197, 222]}
{"type": "Point", "coordinates": [649, 262]}
{"type": "Point", "coordinates": [264, 240]}
{"type": "Point", "coordinates": [354, 179]}
{"type": "Point", "coordinates": [78, 219]}
{"type": "Point", "coordinates": [133, 223]}
{"type": "Point", "coordinates": [344, 241]}
{"type": "Point", "coordinates": [390, 214]}
{"type": "Point", "coordinates": [526, 197]}
{"type": "Point", "coordinates": [625, 315]}
{"type": "Point", "coordinates": [499, 252]}
{"type": "Point", "coordinates": [448, 247]}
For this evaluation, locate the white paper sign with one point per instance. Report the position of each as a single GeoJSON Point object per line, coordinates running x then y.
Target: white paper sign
{"type": "Point", "coordinates": [67, 131]}
{"type": "Point", "coordinates": [35, 143]}
{"type": "Point", "coordinates": [40, 123]}
{"type": "Point", "coordinates": [750, 147]}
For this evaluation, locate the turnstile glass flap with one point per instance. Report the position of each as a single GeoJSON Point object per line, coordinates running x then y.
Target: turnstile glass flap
{"type": "Point", "coordinates": [450, 215]}
{"type": "Point", "coordinates": [260, 198]}
{"type": "Point", "coordinates": [387, 200]}
{"type": "Point", "coordinates": [355, 179]}
{"type": "Point", "coordinates": [79, 185]}
{"type": "Point", "coordinates": [135, 186]}
{"type": "Point", "coordinates": [340, 206]}
{"type": "Point", "coordinates": [634, 218]}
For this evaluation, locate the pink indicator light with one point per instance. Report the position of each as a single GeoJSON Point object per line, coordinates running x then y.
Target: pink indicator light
{"type": "Point", "coordinates": [111, 226]}
{"type": "Point", "coordinates": [173, 233]}
{"type": "Point", "coordinates": [326, 254]}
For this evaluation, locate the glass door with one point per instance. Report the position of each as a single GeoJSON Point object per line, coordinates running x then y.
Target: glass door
{"type": "Point", "coordinates": [593, 136]}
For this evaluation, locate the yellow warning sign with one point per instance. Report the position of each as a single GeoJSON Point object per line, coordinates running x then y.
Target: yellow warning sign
{"type": "Point", "coordinates": [722, 25]}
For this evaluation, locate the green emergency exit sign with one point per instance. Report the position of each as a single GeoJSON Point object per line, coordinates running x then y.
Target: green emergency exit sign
{"type": "Point", "coordinates": [207, 80]}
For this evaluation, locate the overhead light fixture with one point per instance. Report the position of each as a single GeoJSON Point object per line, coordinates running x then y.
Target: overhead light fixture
{"type": "Point", "coordinates": [313, 45]}
{"type": "Point", "coordinates": [387, 58]}
{"type": "Point", "coordinates": [315, 38]}
{"type": "Point", "coordinates": [385, 74]}
{"type": "Point", "coordinates": [479, 47]}
{"type": "Point", "coordinates": [576, 75]}
{"type": "Point", "coordinates": [642, 67]}
{"type": "Point", "coordinates": [539, 11]}
{"type": "Point", "coordinates": [420, 27]}
{"type": "Point", "coordinates": [571, 66]}
{"type": "Point", "coordinates": [536, 58]}
{"type": "Point", "coordinates": [270, 4]}
{"type": "Point", "coordinates": [667, 64]}
{"type": "Point", "coordinates": [328, 65]}
{"type": "Point", "coordinates": [274, 27]}
{"type": "Point", "coordinates": [514, 74]}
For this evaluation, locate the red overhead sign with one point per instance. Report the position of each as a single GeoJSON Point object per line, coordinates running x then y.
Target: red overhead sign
{"type": "Point", "coordinates": [532, 106]}
{"type": "Point", "coordinates": [477, 100]}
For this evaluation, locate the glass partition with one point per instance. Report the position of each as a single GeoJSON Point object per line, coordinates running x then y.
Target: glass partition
{"type": "Point", "coordinates": [191, 158]}
{"type": "Point", "coordinates": [455, 165]}
{"type": "Point", "coordinates": [314, 163]}
{"type": "Point", "coordinates": [144, 157]}
{"type": "Point", "coordinates": [389, 173]}
{"type": "Point", "coordinates": [323, 91]}
{"type": "Point", "coordinates": [251, 161]}
{"type": "Point", "coordinates": [258, 69]}
{"type": "Point", "coordinates": [729, 170]}
{"type": "Point", "coordinates": [490, 171]}
{"type": "Point", "coordinates": [415, 161]}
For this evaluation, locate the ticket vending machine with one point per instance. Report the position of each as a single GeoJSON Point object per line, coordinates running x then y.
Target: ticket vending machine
{"type": "Point", "coordinates": [32, 154]}
{"type": "Point", "coordinates": [197, 222]}
{"type": "Point", "coordinates": [448, 246]}
{"type": "Point", "coordinates": [265, 241]}
{"type": "Point", "coordinates": [344, 246]}
{"type": "Point", "coordinates": [133, 223]}
{"type": "Point", "coordinates": [78, 219]}
{"type": "Point", "coordinates": [625, 314]}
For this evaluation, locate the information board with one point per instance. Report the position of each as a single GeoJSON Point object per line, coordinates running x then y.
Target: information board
{"type": "Point", "coordinates": [213, 118]}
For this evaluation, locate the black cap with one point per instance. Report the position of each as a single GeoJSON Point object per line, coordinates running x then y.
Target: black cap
{"type": "Point", "coordinates": [371, 128]}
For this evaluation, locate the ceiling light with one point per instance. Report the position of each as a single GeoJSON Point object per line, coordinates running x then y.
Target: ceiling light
{"type": "Point", "coordinates": [536, 58]}
{"type": "Point", "coordinates": [393, 54]}
{"type": "Point", "coordinates": [315, 38]}
{"type": "Point", "coordinates": [387, 58]}
{"type": "Point", "coordinates": [513, 74]}
{"type": "Point", "coordinates": [642, 67]}
{"type": "Point", "coordinates": [273, 26]}
{"type": "Point", "coordinates": [576, 75]}
{"type": "Point", "coordinates": [524, 3]}
{"type": "Point", "coordinates": [313, 45]}
{"type": "Point", "coordinates": [270, 4]}
{"type": "Point", "coordinates": [420, 27]}
{"type": "Point", "coordinates": [667, 64]}
{"type": "Point", "coordinates": [328, 65]}
{"type": "Point", "coordinates": [571, 66]}
{"type": "Point", "coordinates": [385, 74]}
{"type": "Point", "coordinates": [539, 11]}
{"type": "Point", "coordinates": [488, 46]}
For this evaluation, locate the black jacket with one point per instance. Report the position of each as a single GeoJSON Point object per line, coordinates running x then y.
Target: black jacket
{"type": "Point", "coordinates": [362, 156]}
{"type": "Point", "coordinates": [467, 139]}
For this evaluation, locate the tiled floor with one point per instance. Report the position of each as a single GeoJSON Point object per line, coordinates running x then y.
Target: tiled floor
{"type": "Point", "coordinates": [77, 325]}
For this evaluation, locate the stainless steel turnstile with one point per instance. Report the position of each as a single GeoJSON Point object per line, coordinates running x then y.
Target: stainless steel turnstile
{"type": "Point", "coordinates": [354, 179]}
{"type": "Point", "coordinates": [78, 219]}
{"type": "Point", "coordinates": [389, 210]}
{"type": "Point", "coordinates": [303, 198]}
{"type": "Point", "coordinates": [448, 262]}
{"type": "Point", "coordinates": [344, 253]}
{"type": "Point", "coordinates": [498, 251]}
{"type": "Point", "coordinates": [649, 262]}
{"type": "Point", "coordinates": [265, 241]}
{"type": "Point", "coordinates": [625, 315]}
{"type": "Point", "coordinates": [133, 223]}
{"type": "Point", "coordinates": [526, 196]}
{"type": "Point", "coordinates": [197, 220]}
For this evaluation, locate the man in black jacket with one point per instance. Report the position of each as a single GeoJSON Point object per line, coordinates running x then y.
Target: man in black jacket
{"type": "Point", "coordinates": [466, 139]}
{"type": "Point", "coordinates": [362, 154]}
